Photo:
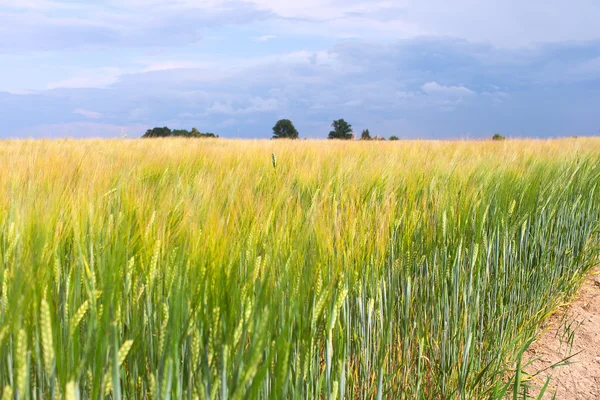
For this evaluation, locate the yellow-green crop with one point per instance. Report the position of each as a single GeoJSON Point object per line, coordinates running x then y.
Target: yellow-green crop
{"type": "Point", "coordinates": [187, 269]}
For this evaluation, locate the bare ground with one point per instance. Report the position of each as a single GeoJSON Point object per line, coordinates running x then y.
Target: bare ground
{"type": "Point", "coordinates": [574, 330]}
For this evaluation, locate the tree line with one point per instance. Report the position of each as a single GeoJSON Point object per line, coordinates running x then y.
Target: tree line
{"type": "Point", "coordinates": [284, 129]}
{"type": "Point", "coordinates": [166, 132]}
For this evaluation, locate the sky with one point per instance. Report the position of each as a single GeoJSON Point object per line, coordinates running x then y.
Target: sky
{"type": "Point", "coordinates": [429, 69]}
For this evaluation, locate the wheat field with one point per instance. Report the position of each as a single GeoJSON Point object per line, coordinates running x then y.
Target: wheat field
{"type": "Point", "coordinates": [217, 269]}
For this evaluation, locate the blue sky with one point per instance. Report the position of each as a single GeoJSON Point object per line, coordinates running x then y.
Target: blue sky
{"type": "Point", "coordinates": [415, 69]}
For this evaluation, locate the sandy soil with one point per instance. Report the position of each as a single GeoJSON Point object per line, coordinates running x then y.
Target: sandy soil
{"type": "Point", "coordinates": [578, 325]}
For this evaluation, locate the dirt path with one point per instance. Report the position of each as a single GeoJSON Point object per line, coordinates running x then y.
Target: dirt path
{"type": "Point", "coordinates": [577, 325]}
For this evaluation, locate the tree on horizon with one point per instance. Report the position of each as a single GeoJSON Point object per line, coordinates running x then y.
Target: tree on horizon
{"type": "Point", "coordinates": [158, 132]}
{"type": "Point", "coordinates": [284, 129]}
{"type": "Point", "coordinates": [166, 132]}
{"type": "Point", "coordinates": [341, 130]}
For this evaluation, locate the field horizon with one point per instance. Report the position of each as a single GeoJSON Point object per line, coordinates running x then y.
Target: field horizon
{"type": "Point", "coordinates": [312, 139]}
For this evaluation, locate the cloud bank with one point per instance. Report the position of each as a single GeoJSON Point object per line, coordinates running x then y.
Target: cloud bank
{"type": "Point", "coordinates": [235, 67]}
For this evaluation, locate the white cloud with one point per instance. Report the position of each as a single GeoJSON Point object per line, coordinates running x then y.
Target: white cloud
{"type": "Point", "coordinates": [266, 38]}
{"type": "Point", "coordinates": [353, 103]}
{"type": "Point", "coordinates": [497, 94]}
{"type": "Point", "coordinates": [251, 105]}
{"type": "Point", "coordinates": [90, 79]}
{"type": "Point", "coordinates": [258, 104]}
{"type": "Point", "coordinates": [587, 69]}
{"type": "Point", "coordinates": [61, 25]}
{"type": "Point", "coordinates": [142, 23]}
{"type": "Point", "coordinates": [228, 123]}
{"type": "Point", "coordinates": [510, 23]}
{"type": "Point", "coordinates": [167, 65]}
{"type": "Point", "coordinates": [39, 4]}
{"type": "Point", "coordinates": [434, 88]}
{"type": "Point", "coordinates": [221, 108]}
{"type": "Point", "coordinates": [87, 113]}
{"type": "Point", "coordinates": [21, 92]}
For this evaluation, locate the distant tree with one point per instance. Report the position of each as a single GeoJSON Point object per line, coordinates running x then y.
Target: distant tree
{"type": "Point", "coordinates": [181, 132]}
{"type": "Point", "coordinates": [195, 133]}
{"type": "Point", "coordinates": [158, 132]}
{"type": "Point", "coordinates": [341, 130]}
{"type": "Point", "coordinates": [284, 129]}
{"type": "Point", "coordinates": [166, 132]}
{"type": "Point", "coordinates": [498, 136]}
{"type": "Point", "coordinates": [163, 132]}
{"type": "Point", "coordinates": [393, 137]}
{"type": "Point", "coordinates": [365, 135]}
